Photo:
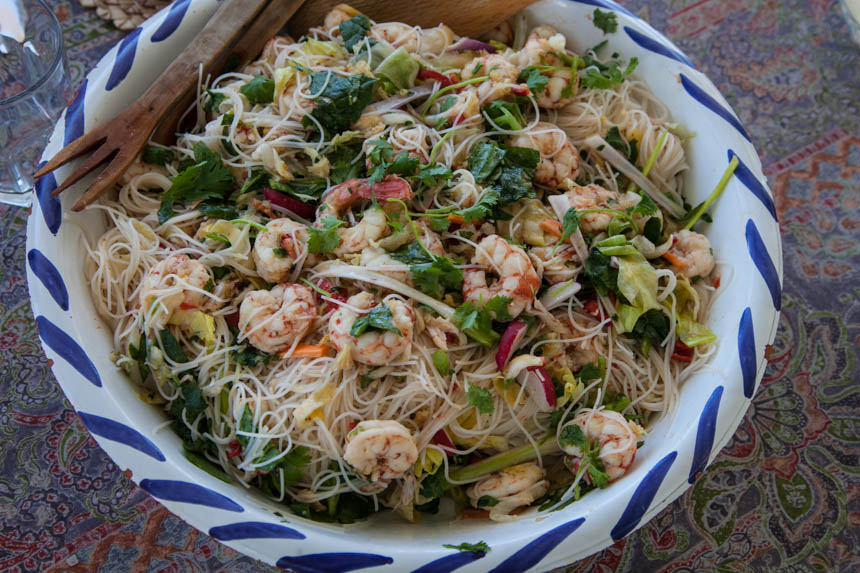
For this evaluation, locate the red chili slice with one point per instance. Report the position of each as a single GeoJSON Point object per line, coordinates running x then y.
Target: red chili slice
{"type": "Point", "coordinates": [521, 91]}
{"type": "Point", "coordinates": [426, 74]}
{"type": "Point", "coordinates": [235, 449]}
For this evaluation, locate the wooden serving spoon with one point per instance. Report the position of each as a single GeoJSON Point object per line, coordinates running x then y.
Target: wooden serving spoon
{"type": "Point", "coordinates": [470, 18]}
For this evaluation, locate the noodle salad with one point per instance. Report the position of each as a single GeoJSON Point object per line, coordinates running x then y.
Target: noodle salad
{"type": "Point", "coordinates": [389, 267]}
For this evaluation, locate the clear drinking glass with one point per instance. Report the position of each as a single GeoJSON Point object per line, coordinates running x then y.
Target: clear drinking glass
{"type": "Point", "coordinates": [34, 89]}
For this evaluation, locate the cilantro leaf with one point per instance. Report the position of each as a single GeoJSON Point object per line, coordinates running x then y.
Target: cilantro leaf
{"type": "Point", "coordinates": [597, 471]}
{"type": "Point", "coordinates": [379, 318]}
{"type": "Point", "coordinates": [404, 164]}
{"type": "Point", "coordinates": [498, 305]}
{"type": "Point", "coordinates": [431, 174]}
{"type": "Point", "coordinates": [476, 323]}
{"type": "Point", "coordinates": [340, 101]}
{"type": "Point", "coordinates": [646, 207]}
{"type": "Point", "coordinates": [592, 371]}
{"type": "Point", "coordinates": [605, 76]}
{"type": "Point", "coordinates": [480, 398]}
{"type": "Point", "coordinates": [569, 224]}
{"type": "Point", "coordinates": [157, 155]}
{"type": "Point", "coordinates": [326, 239]}
{"type": "Point", "coordinates": [606, 21]}
{"type": "Point", "coordinates": [218, 211]}
{"type": "Point", "coordinates": [479, 547]}
{"type": "Point", "coordinates": [483, 209]}
{"type": "Point", "coordinates": [629, 149]}
{"type": "Point", "coordinates": [260, 90]}
{"type": "Point", "coordinates": [533, 78]}
{"type": "Point", "coordinates": [572, 435]}
{"type": "Point", "coordinates": [434, 278]}
{"type": "Point", "coordinates": [434, 485]}
{"type": "Point", "coordinates": [354, 30]}
{"type": "Point", "coordinates": [208, 178]}
{"type": "Point", "coordinates": [380, 152]}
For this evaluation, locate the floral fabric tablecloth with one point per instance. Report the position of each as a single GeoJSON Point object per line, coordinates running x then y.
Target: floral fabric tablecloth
{"type": "Point", "coordinates": [783, 494]}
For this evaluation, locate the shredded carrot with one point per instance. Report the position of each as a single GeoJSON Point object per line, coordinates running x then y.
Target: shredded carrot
{"type": "Point", "coordinates": [672, 258]}
{"type": "Point", "coordinates": [456, 219]}
{"type": "Point", "coordinates": [309, 351]}
{"type": "Point", "coordinates": [551, 226]}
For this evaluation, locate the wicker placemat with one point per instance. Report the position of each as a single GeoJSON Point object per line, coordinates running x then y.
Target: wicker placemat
{"type": "Point", "coordinates": [125, 14]}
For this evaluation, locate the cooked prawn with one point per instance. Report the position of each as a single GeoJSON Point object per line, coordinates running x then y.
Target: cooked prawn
{"type": "Point", "coordinates": [352, 191]}
{"type": "Point", "coordinates": [517, 277]}
{"type": "Point", "coordinates": [616, 439]}
{"type": "Point", "coordinates": [502, 74]}
{"type": "Point", "coordinates": [542, 48]}
{"type": "Point", "coordinates": [559, 160]}
{"type": "Point", "coordinates": [593, 196]}
{"type": "Point", "coordinates": [380, 449]}
{"type": "Point", "coordinates": [177, 281]}
{"type": "Point", "coordinates": [413, 39]}
{"type": "Point", "coordinates": [278, 249]}
{"type": "Point", "coordinates": [274, 320]}
{"type": "Point", "coordinates": [373, 347]}
{"type": "Point", "coordinates": [337, 15]}
{"type": "Point", "coordinates": [693, 250]}
{"type": "Point", "coordinates": [513, 487]}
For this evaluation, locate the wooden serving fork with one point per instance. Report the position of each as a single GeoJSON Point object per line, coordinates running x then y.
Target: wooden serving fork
{"type": "Point", "coordinates": [119, 141]}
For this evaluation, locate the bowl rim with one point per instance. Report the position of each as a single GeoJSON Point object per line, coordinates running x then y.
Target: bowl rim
{"type": "Point", "coordinates": [114, 428]}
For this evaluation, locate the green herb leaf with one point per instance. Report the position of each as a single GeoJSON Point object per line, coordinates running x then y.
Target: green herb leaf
{"type": "Point", "coordinates": [605, 76]}
{"type": "Point", "coordinates": [344, 162]}
{"type": "Point", "coordinates": [157, 155]}
{"type": "Point", "coordinates": [139, 353]}
{"type": "Point", "coordinates": [653, 230]}
{"type": "Point", "coordinates": [479, 547]}
{"type": "Point", "coordinates": [434, 278]}
{"type": "Point", "coordinates": [598, 270]}
{"type": "Point", "coordinates": [484, 159]}
{"type": "Point", "coordinates": [645, 207]}
{"type": "Point", "coordinates": [498, 305]}
{"type": "Point", "coordinates": [171, 347]}
{"type": "Point", "coordinates": [534, 79]}
{"type": "Point", "coordinates": [340, 103]}
{"type": "Point", "coordinates": [207, 179]}
{"type": "Point", "coordinates": [572, 435]}
{"type": "Point", "coordinates": [506, 114]}
{"type": "Point", "coordinates": [435, 485]}
{"type": "Point", "coordinates": [487, 501]}
{"type": "Point", "coordinates": [326, 239]}
{"type": "Point", "coordinates": [606, 21]}
{"type": "Point", "coordinates": [629, 149]}
{"type": "Point", "coordinates": [483, 209]}
{"type": "Point", "coordinates": [378, 318]}
{"type": "Point", "coordinates": [404, 164]}
{"type": "Point", "coordinates": [480, 398]}
{"type": "Point", "coordinates": [246, 424]}
{"type": "Point", "coordinates": [652, 326]}
{"type": "Point", "coordinates": [213, 102]}
{"type": "Point", "coordinates": [260, 90]}
{"type": "Point", "coordinates": [569, 224]}
{"type": "Point", "coordinates": [354, 30]}
{"type": "Point", "coordinates": [477, 324]}
{"type": "Point", "coordinates": [592, 371]}
{"type": "Point", "coordinates": [431, 174]}
{"type": "Point", "coordinates": [440, 361]}
{"type": "Point", "coordinates": [616, 402]}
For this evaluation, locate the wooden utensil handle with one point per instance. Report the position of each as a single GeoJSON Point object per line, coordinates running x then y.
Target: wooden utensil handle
{"type": "Point", "coordinates": [211, 44]}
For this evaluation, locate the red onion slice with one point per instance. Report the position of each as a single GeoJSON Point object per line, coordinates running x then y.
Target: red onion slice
{"type": "Point", "coordinates": [539, 386]}
{"type": "Point", "coordinates": [292, 204]}
{"type": "Point", "coordinates": [511, 339]}
{"type": "Point", "coordinates": [470, 45]}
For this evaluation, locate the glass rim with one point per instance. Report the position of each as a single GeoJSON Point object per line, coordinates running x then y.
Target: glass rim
{"type": "Point", "coordinates": [58, 57]}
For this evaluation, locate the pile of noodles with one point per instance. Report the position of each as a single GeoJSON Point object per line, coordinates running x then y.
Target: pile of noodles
{"type": "Point", "coordinates": [409, 390]}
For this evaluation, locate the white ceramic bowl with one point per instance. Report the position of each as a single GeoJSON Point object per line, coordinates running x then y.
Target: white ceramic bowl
{"type": "Point", "coordinates": [744, 316]}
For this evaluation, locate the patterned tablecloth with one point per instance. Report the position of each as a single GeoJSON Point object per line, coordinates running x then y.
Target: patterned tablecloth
{"type": "Point", "coordinates": [783, 495]}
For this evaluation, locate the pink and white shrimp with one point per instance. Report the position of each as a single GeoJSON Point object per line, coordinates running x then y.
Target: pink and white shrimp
{"type": "Point", "coordinates": [559, 160]}
{"type": "Point", "coordinates": [517, 278]}
{"type": "Point", "coordinates": [274, 320]}
{"type": "Point", "coordinates": [616, 440]}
